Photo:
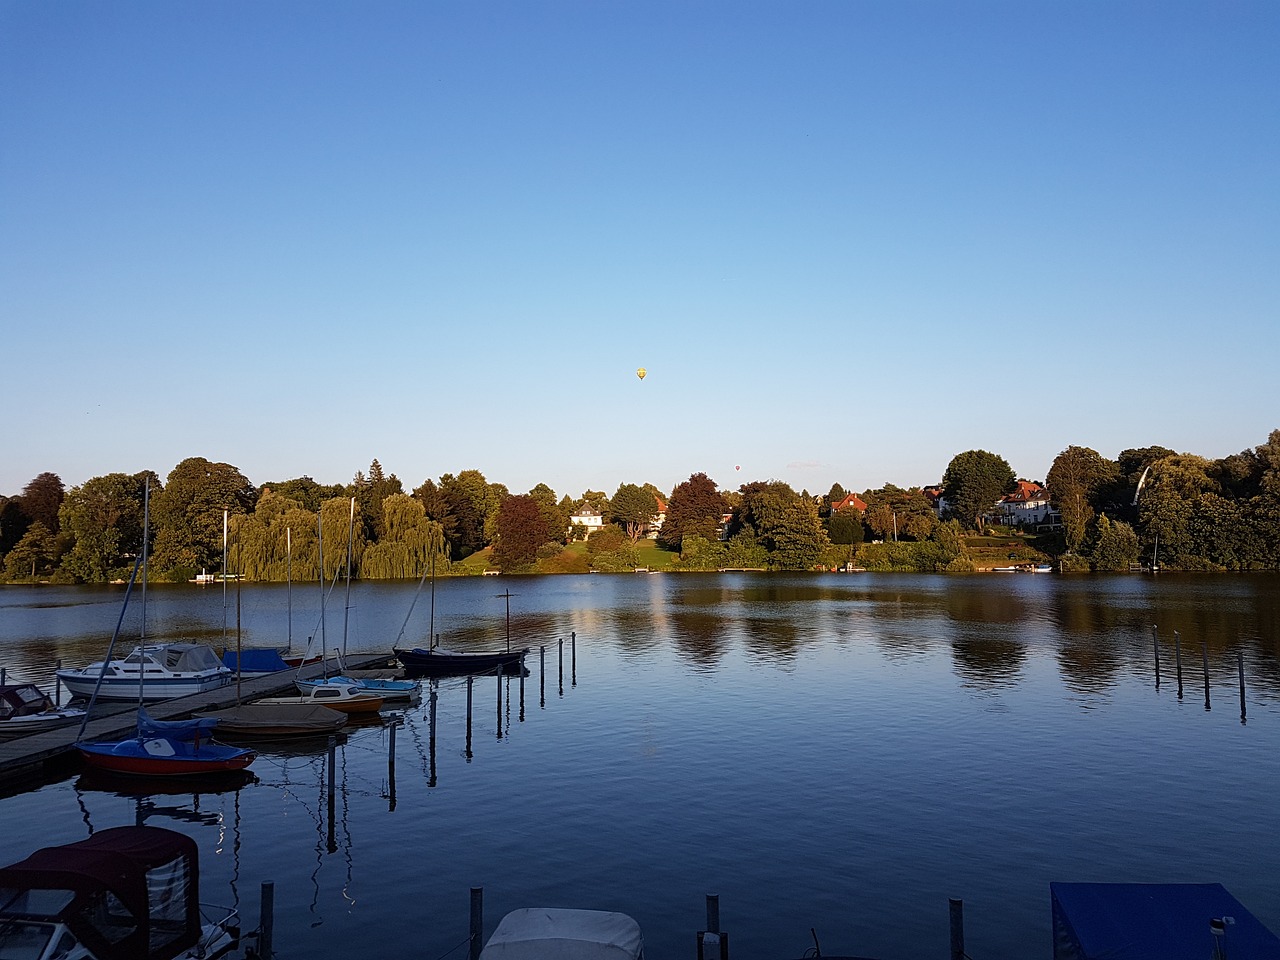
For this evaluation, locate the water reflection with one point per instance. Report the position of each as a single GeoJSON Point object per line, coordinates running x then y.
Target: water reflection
{"type": "Point", "coordinates": [991, 657]}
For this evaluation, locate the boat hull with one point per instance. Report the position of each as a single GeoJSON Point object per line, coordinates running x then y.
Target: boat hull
{"type": "Point", "coordinates": [163, 757]}
{"type": "Point", "coordinates": [16, 727]}
{"type": "Point", "coordinates": [446, 663]}
{"type": "Point", "coordinates": [81, 683]}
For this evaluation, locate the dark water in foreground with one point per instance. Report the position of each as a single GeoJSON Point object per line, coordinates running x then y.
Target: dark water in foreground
{"type": "Point", "coordinates": [842, 752]}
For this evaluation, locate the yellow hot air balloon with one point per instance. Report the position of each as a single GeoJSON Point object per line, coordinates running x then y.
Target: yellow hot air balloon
{"type": "Point", "coordinates": [641, 372]}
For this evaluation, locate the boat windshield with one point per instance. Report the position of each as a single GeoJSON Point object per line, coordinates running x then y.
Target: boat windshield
{"type": "Point", "coordinates": [25, 939]}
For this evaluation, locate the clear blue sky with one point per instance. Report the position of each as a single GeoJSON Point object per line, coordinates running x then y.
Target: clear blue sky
{"type": "Point", "coordinates": [848, 240]}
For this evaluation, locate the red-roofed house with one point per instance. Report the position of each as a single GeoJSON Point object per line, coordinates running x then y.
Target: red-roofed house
{"type": "Point", "coordinates": [1027, 506]}
{"type": "Point", "coordinates": [850, 500]}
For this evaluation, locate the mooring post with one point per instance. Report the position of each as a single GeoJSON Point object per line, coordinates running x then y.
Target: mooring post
{"type": "Point", "coordinates": [391, 761]}
{"type": "Point", "coordinates": [477, 922]}
{"type": "Point", "coordinates": [57, 685]}
{"type": "Point", "coordinates": [713, 913]}
{"type": "Point", "coordinates": [333, 795]}
{"type": "Point", "coordinates": [1240, 669]}
{"type": "Point", "coordinates": [3, 674]}
{"type": "Point", "coordinates": [957, 928]}
{"type": "Point", "coordinates": [267, 920]}
{"type": "Point", "coordinates": [499, 676]}
{"type": "Point", "coordinates": [333, 775]}
{"type": "Point", "coordinates": [561, 643]}
{"type": "Point", "coordinates": [1155, 648]}
{"type": "Point", "coordinates": [431, 738]}
{"type": "Point", "coordinates": [469, 683]}
{"type": "Point", "coordinates": [1177, 659]}
{"type": "Point", "coordinates": [522, 672]}
{"type": "Point", "coordinates": [542, 677]}
{"type": "Point", "coordinates": [1204, 651]}
{"type": "Point", "coordinates": [573, 657]}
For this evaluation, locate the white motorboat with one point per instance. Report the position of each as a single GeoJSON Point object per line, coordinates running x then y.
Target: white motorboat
{"type": "Point", "coordinates": [159, 671]}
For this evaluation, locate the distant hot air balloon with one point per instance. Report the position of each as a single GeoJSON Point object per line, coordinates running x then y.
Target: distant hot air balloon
{"type": "Point", "coordinates": [641, 372]}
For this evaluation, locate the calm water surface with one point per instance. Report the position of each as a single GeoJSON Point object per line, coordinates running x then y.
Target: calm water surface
{"type": "Point", "coordinates": [839, 752]}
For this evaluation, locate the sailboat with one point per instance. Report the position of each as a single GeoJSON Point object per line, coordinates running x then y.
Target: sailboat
{"type": "Point", "coordinates": [273, 720]}
{"type": "Point", "coordinates": [389, 688]}
{"type": "Point", "coordinates": [159, 748]}
{"type": "Point", "coordinates": [438, 662]}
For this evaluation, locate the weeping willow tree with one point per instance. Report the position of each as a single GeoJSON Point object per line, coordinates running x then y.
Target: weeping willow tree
{"type": "Point", "coordinates": [408, 543]}
{"type": "Point", "coordinates": [277, 541]}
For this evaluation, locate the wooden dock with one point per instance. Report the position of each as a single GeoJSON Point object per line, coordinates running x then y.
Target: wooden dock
{"type": "Point", "coordinates": [27, 760]}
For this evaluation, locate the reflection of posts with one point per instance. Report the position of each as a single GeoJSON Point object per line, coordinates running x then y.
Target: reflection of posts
{"type": "Point", "coordinates": [1204, 650]}
{"type": "Point", "coordinates": [469, 683]}
{"type": "Point", "coordinates": [333, 763]}
{"type": "Point", "coordinates": [391, 762]}
{"type": "Point", "coordinates": [1177, 659]}
{"type": "Point", "coordinates": [431, 738]}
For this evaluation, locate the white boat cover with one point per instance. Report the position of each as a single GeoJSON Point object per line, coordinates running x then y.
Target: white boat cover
{"type": "Point", "coordinates": [184, 657]}
{"type": "Point", "coordinates": [543, 933]}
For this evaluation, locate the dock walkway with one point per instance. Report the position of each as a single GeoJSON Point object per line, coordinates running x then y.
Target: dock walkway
{"type": "Point", "coordinates": [30, 758]}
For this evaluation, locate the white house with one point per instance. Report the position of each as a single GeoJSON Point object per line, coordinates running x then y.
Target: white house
{"type": "Point", "coordinates": [589, 517]}
{"type": "Point", "coordinates": [1027, 506]}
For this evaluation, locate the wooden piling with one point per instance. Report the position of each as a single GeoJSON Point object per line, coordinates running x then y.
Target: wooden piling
{"type": "Point", "coordinates": [522, 690]}
{"type": "Point", "coordinates": [477, 922]}
{"type": "Point", "coordinates": [1155, 649]}
{"type": "Point", "coordinates": [713, 913]}
{"type": "Point", "coordinates": [542, 677]}
{"type": "Point", "coordinates": [1240, 670]}
{"type": "Point", "coordinates": [573, 657]}
{"type": "Point", "coordinates": [333, 773]}
{"type": "Point", "coordinates": [1177, 659]}
{"type": "Point", "coordinates": [957, 928]}
{"type": "Point", "coordinates": [469, 684]}
{"type": "Point", "coordinates": [498, 676]}
{"type": "Point", "coordinates": [560, 642]}
{"type": "Point", "coordinates": [57, 684]}
{"type": "Point", "coordinates": [1204, 652]}
{"type": "Point", "coordinates": [267, 920]}
{"type": "Point", "coordinates": [391, 762]}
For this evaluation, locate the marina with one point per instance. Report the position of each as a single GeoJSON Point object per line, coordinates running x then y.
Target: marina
{"type": "Point", "coordinates": [839, 754]}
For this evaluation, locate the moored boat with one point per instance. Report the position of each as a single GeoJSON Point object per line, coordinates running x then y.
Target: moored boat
{"type": "Point", "coordinates": [386, 687]}
{"type": "Point", "coordinates": [544, 933]}
{"type": "Point", "coordinates": [346, 697]}
{"type": "Point", "coordinates": [277, 720]}
{"type": "Point", "coordinates": [126, 893]}
{"type": "Point", "coordinates": [26, 709]}
{"type": "Point", "coordinates": [167, 748]}
{"type": "Point", "coordinates": [163, 671]}
{"type": "Point", "coordinates": [438, 662]}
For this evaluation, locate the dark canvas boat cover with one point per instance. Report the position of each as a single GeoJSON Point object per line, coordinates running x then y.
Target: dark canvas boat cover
{"type": "Point", "coordinates": [200, 728]}
{"type": "Point", "coordinates": [126, 893]}
{"type": "Point", "coordinates": [255, 660]}
{"type": "Point", "coordinates": [22, 700]}
{"type": "Point", "coordinates": [279, 719]}
{"type": "Point", "coordinates": [1153, 921]}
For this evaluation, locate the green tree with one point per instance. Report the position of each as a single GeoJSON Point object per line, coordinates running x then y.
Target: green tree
{"type": "Point", "coordinates": [522, 529]}
{"type": "Point", "coordinates": [305, 492]}
{"type": "Point", "coordinates": [973, 483]}
{"type": "Point", "coordinates": [695, 509]}
{"type": "Point", "coordinates": [1166, 507]}
{"type": "Point", "coordinates": [1114, 545]}
{"type": "Point", "coordinates": [409, 545]}
{"type": "Point", "coordinates": [104, 515]}
{"type": "Point", "coordinates": [553, 511]}
{"type": "Point", "coordinates": [1074, 480]}
{"type": "Point", "coordinates": [783, 522]}
{"type": "Point", "coordinates": [187, 513]}
{"type": "Point", "coordinates": [41, 500]}
{"type": "Point", "coordinates": [632, 508]}
{"type": "Point", "coordinates": [32, 555]}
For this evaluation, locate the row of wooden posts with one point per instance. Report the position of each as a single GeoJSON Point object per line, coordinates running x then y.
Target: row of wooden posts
{"type": "Point", "coordinates": [1204, 656]}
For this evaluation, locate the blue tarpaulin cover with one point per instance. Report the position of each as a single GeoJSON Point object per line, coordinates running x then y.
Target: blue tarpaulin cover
{"type": "Point", "coordinates": [1153, 921]}
{"type": "Point", "coordinates": [256, 660]}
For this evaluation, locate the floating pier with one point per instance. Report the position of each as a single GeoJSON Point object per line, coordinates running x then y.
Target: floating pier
{"type": "Point", "coordinates": [31, 758]}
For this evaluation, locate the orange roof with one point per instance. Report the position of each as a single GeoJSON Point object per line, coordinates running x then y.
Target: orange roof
{"type": "Point", "coordinates": [850, 500]}
{"type": "Point", "coordinates": [1026, 492]}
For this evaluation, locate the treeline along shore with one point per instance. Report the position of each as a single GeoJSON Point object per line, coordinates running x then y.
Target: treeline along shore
{"type": "Point", "coordinates": [1149, 507]}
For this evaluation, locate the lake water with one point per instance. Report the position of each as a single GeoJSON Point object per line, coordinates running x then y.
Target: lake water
{"type": "Point", "coordinates": [836, 752]}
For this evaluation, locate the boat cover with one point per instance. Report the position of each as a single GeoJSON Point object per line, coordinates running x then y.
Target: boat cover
{"type": "Point", "coordinates": [255, 660]}
{"type": "Point", "coordinates": [1153, 921]}
{"type": "Point", "coordinates": [279, 719]}
{"type": "Point", "coordinates": [126, 893]}
{"type": "Point", "coordinates": [182, 657]}
{"type": "Point", "coordinates": [22, 700]}
{"type": "Point", "coordinates": [542, 933]}
{"type": "Point", "coordinates": [199, 728]}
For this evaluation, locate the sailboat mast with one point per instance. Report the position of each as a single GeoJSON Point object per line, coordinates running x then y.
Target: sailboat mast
{"type": "Point", "coordinates": [224, 580]}
{"type": "Point", "coordinates": [346, 612]}
{"type": "Point", "coordinates": [324, 647]}
{"type": "Point", "coordinates": [288, 578]}
{"type": "Point", "coordinates": [142, 649]}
